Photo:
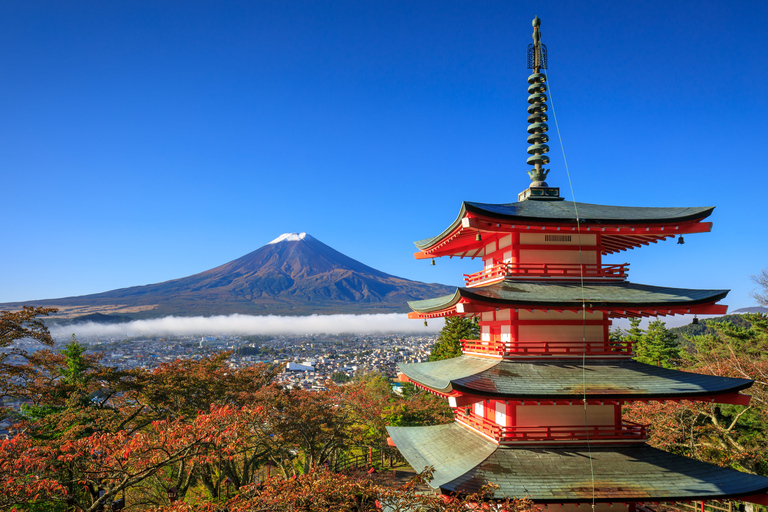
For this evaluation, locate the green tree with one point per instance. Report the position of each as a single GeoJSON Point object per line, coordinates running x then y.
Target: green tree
{"type": "Point", "coordinates": [658, 346]}
{"type": "Point", "coordinates": [340, 377]}
{"type": "Point", "coordinates": [77, 364]}
{"type": "Point", "coordinates": [448, 342]}
{"type": "Point", "coordinates": [728, 435]}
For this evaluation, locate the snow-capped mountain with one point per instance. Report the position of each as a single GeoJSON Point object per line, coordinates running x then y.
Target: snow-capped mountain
{"type": "Point", "coordinates": [293, 274]}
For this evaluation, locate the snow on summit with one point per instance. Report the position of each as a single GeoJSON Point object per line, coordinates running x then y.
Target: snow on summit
{"type": "Point", "coordinates": [290, 237]}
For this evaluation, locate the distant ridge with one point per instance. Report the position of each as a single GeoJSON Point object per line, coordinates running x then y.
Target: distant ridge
{"type": "Point", "coordinates": [294, 274]}
{"type": "Point", "coordinates": [755, 309]}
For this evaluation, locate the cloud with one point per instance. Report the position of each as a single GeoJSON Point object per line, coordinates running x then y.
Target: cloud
{"type": "Point", "coordinates": [247, 325]}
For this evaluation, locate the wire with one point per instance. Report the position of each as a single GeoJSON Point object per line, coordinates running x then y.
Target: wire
{"type": "Point", "coordinates": [583, 299]}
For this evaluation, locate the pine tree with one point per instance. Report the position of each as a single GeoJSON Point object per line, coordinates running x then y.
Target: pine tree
{"type": "Point", "coordinates": [658, 346]}
{"type": "Point", "coordinates": [76, 363]}
{"type": "Point", "coordinates": [448, 342]}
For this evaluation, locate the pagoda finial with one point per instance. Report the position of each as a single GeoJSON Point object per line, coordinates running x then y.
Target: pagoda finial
{"type": "Point", "coordinates": [537, 127]}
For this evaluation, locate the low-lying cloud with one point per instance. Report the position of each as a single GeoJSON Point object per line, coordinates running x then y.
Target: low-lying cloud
{"type": "Point", "coordinates": [243, 325]}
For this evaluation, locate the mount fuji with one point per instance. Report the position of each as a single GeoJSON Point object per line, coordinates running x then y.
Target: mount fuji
{"type": "Point", "coordinates": [294, 274]}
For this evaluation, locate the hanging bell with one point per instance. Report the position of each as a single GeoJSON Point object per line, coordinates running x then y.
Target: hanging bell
{"type": "Point", "coordinates": [425, 323]}
{"type": "Point", "coordinates": [433, 261]}
{"type": "Point", "coordinates": [478, 238]}
{"type": "Point", "coordinates": [695, 320]}
{"type": "Point", "coordinates": [680, 240]}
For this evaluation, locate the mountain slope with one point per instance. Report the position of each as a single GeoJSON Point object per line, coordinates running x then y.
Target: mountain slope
{"type": "Point", "coordinates": [293, 274]}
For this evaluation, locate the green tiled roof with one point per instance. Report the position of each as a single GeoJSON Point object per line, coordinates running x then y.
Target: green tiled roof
{"type": "Point", "coordinates": [565, 212]}
{"type": "Point", "coordinates": [565, 294]}
{"type": "Point", "coordinates": [464, 461]}
{"type": "Point", "coordinates": [566, 379]}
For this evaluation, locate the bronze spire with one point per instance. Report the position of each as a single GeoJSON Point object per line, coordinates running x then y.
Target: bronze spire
{"type": "Point", "coordinates": [537, 127]}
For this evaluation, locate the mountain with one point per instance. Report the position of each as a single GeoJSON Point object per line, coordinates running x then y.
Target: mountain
{"type": "Point", "coordinates": [703, 327]}
{"type": "Point", "coordinates": [295, 274]}
{"type": "Point", "coordinates": [755, 309]}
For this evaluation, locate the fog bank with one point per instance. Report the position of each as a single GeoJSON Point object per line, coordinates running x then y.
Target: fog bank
{"type": "Point", "coordinates": [247, 325]}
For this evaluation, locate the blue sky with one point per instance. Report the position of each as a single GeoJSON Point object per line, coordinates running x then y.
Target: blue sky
{"type": "Point", "coordinates": [145, 141]}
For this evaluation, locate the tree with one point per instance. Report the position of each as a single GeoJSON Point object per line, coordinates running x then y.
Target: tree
{"type": "Point", "coordinates": [761, 280]}
{"type": "Point", "coordinates": [17, 325]}
{"type": "Point", "coordinates": [76, 363]}
{"type": "Point", "coordinates": [301, 429]}
{"type": "Point", "coordinates": [448, 342]}
{"type": "Point", "coordinates": [184, 387]}
{"type": "Point", "coordinates": [728, 435]}
{"type": "Point", "coordinates": [324, 491]}
{"type": "Point", "coordinates": [657, 346]}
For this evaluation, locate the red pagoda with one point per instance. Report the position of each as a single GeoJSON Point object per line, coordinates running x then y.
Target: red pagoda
{"type": "Point", "coordinates": [538, 398]}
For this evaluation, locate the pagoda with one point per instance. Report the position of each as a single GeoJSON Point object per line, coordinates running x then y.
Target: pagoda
{"type": "Point", "coordinates": [538, 398]}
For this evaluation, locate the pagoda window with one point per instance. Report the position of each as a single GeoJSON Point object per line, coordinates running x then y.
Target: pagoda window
{"type": "Point", "coordinates": [583, 240]}
{"type": "Point", "coordinates": [479, 406]}
{"type": "Point", "coordinates": [502, 413]}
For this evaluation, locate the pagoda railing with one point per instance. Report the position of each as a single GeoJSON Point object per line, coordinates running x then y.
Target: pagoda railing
{"type": "Point", "coordinates": [547, 348]}
{"type": "Point", "coordinates": [627, 430]}
{"type": "Point", "coordinates": [502, 271]}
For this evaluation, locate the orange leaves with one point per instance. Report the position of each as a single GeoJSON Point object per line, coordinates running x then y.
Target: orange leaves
{"type": "Point", "coordinates": [21, 480]}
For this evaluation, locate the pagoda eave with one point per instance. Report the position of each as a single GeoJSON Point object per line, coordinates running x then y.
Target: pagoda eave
{"type": "Point", "coordinates": [560, 379]}
{"type": "Point", "coordinates": [618, 300]}
{"type": "Point", "coordinates": [471, 308]}
{"type": "Point", "coordinates": [465, 461]}
{"type": "Point", "coordinates": [621, 228]}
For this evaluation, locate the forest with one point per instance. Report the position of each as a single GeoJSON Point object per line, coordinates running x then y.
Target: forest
{"type": "Point", "coordinates": [197, 435]}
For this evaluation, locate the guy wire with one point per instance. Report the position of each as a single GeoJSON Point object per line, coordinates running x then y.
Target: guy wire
{"type": "Point", "coordinates": [583, 301]}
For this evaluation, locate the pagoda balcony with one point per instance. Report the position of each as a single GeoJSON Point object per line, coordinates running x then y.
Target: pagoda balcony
{"type": "Point", "coordinates": [554, 271]}
{"type": "Point", "coordinates": [626, 431]}
{"type": "Point", "coordinates": [501, 349]}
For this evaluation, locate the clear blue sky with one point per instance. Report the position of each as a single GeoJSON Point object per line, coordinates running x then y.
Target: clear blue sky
{"type": "Point", "coordinates": [145, 141]}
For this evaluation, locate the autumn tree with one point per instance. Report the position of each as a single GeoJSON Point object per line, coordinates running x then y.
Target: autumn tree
{"type": "Point", "coordinates": [326, 491]}
{"type": "Point", "coordinates": [71, 393]}
{"type": "Point", "coordinates": [448, 342]}
{"type": "Point", "coordinates": [728, 435]}
{"type": "Point", "coordinates": [374, 407]}
{"type": "Point", "coordinates": [184, 387]}
{"type": "Point", "coordinates": [301, 429]}
{"type": "Point", "coordinates": [17, 325]}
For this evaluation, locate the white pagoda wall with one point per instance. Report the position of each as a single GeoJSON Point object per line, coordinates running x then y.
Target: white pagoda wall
{"type": "Point", "coordinates": [564, 415]}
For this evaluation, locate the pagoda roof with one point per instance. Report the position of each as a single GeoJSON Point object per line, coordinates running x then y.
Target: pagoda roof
{"type": "Point", "coordinates": [609, 295]}
{"type": "Point", "coordinates": [563, 379]}
{"type": "Point", "coordinates": [465, 461]}
{"type": "Point", "coordinates": [659, 222]}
